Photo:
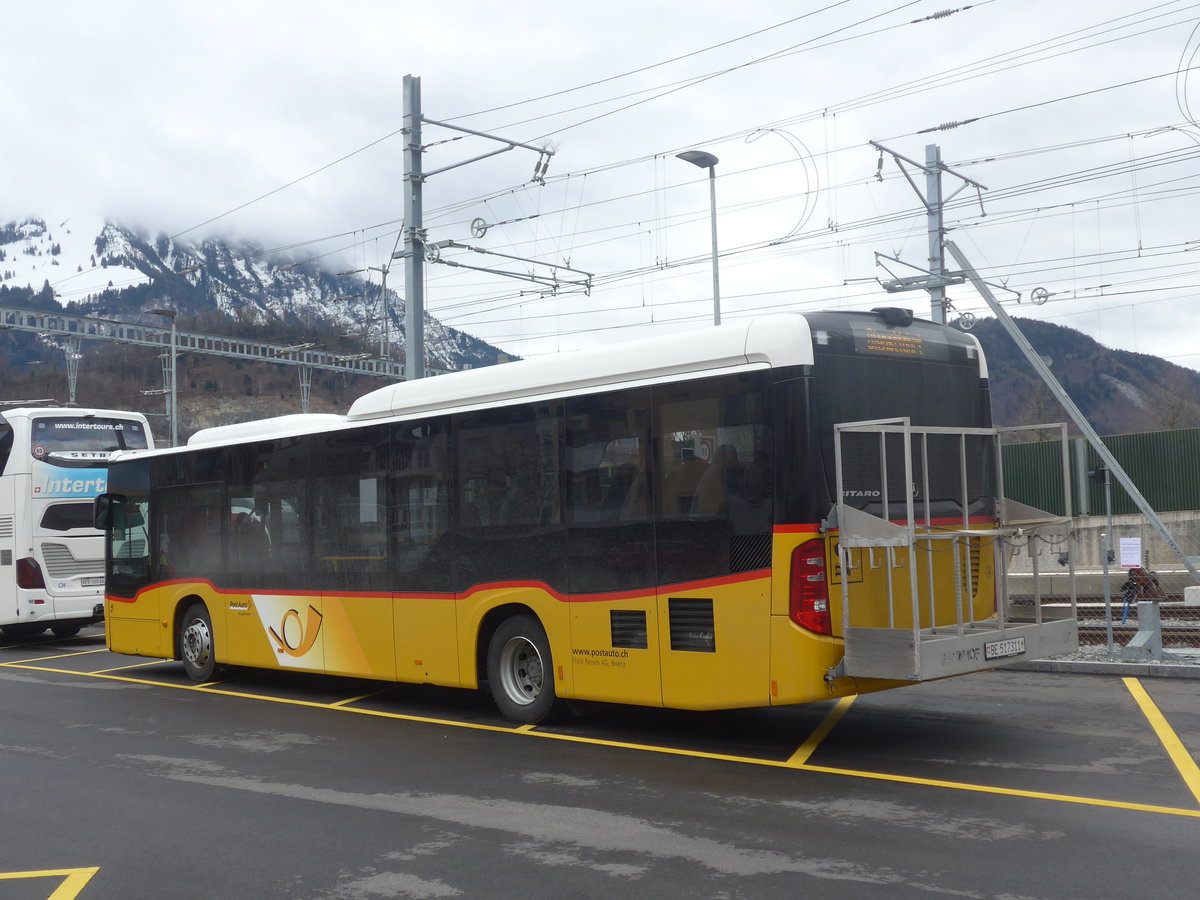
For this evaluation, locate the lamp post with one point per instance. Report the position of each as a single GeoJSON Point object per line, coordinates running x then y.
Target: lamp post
{"type": "Point", "coordinates": [1101, 476]}
{"type": "Point", "coordinates": [703, 160]}
{"type": "Point", "coordinates": [170, 314]}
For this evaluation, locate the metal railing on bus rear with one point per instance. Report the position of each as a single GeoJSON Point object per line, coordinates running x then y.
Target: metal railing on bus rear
{"type": "Point", "coordinates": [941, 648]}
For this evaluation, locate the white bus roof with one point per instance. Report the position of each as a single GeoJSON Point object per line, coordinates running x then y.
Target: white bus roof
{"type": "Point", "coordinates": [80, 412]}
{"type": "Point", "coordinates": [279, 426]}
{"type": "Point", "coordinates": [776, 340]}
{"type": "Point", "coordinates": [782, 339]}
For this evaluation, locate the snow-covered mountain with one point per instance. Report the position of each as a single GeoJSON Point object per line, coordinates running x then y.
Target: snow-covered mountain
{"type": "Point", "coordinates": [34, 253]}
{"type": "Point", "coordinates": [109, 270]}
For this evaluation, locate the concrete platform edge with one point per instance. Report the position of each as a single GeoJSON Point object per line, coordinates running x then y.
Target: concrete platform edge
{"type": "Point", "coordinates": [1134, 669]}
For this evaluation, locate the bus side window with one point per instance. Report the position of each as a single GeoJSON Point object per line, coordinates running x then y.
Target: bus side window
{"type": "Point", "coordinates": [131, 542]}
{"type": "Point", "coordinates": [6, 444]}
{"type": "Point", "coordinates": [193, 542]}
{"type": "Point", "coordinates": [281, 522]}
{"type": "Point", "coordinates": [720, 481]}
{"type": "Point", "coordinates": [249, 544]}
{"type": "Point", "coordinates": [682, 481]}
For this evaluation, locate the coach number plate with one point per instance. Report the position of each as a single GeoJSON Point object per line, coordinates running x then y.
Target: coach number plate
{"type": "Point", "coordinates": [1000, 649]}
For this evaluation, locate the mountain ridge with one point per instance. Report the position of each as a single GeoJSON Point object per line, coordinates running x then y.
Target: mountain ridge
{"type": "Point", "coordinates": [1119, 391]}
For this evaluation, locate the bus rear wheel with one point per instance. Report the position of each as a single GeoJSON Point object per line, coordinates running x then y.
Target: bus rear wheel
{"type": "Point", "coordinates": [521, 672]}
{"type": "Point", "coordinates": [196, 643]}
{"type": "Point", "coordinates": [65, 629]}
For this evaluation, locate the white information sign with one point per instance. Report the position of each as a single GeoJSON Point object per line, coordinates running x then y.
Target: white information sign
{"type": "Point", "coordinates": [1131, 552]}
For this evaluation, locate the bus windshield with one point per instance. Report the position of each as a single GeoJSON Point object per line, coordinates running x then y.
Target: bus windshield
{"type": "Point", "coordinates": [83, 442]}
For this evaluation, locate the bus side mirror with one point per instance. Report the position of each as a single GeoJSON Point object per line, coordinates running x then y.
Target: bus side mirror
{"type": "Point", "coordinates": [108, 512]}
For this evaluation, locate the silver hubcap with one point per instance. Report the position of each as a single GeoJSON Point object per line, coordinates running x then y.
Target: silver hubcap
{"type": "Point", "coordinates": [521, 671]}
{"type": "Point", "coordinates": [197, 643]}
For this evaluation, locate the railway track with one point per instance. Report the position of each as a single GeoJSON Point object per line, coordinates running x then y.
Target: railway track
{"type": "Point", "coordinates": [1180, 624]}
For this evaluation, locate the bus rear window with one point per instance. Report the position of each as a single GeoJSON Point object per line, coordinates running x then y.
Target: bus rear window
{"type": "Point", "coordinates": [65, 516]}
{"type": "Point", "coordinates": [74, 441]}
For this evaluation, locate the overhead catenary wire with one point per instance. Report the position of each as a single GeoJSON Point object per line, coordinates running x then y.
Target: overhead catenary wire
{"type": "Point", "coordinates": [325, 167]}
{"type": "Point", "coordinates": [858, 231]}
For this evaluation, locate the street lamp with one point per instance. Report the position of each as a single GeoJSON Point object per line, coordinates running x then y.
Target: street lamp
{"type": "Point", "coordinates": [703, 160]}
{"type": "Point", "coordinates": [170, 314]}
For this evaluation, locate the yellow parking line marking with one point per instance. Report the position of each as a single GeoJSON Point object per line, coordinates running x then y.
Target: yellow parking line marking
{"type": "Point", "coordinates": [340, 703]}
{"type": "Point", "coordinates": [55, 656]}
{"type": "Point", "coordinates": [1008, 792]}
{"type": "Point", "coordinates": [800, 757]}
{"type": "Point", "coordinates": [310, 704]}
{"type": "Point", "coordinates": [651, 748]}
{"type": "Point", "coordinates": [1179, 754]}
{"type": "Point", "coordinates": [142, 665]}
{"type": "Point", "coordinates": [74, 880]}
{"type": "Point", "coordinates": [214, 683]}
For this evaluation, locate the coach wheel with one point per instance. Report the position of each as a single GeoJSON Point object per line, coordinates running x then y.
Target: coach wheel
{"type": "Point", "coordinates": [196, 643]}
{"type": "Point", "coordinates": [521, 672]}
{"type": "Point", "coordinates": [65, 629]}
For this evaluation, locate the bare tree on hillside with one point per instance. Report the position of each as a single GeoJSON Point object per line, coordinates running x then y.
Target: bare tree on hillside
{"type": "Point", "coordinates": [1175, 401]}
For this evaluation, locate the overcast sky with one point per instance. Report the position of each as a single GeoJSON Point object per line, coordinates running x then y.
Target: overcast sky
{"type": "Point", "coordinates": [178, 117]}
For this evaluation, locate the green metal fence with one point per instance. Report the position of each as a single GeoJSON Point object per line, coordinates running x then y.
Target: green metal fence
{"type": "Point", "coordinates": [1165, 466]}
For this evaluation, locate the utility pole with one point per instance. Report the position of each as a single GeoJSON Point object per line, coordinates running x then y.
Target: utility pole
{"type": "Point", "coordinates": [936, 231]}
{"type": "Point", "coordinates": [415, 245]}
{"type": "Point", "coordinates": [385, 333]}
{"type": "Point", "coordinates": [414, 237]}
{"type": "Point", "coordinates": [935, 278]}
{"type": "Point", "coordinates": [171, 371]}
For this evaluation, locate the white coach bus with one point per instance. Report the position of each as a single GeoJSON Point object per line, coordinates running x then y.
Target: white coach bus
{"type": "Point", "coordinates": [53, 462]}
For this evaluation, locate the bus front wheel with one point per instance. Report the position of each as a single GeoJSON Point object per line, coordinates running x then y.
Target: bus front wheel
{"type": "Point", "coordinates": [521, 672]}
{"type": "Point", "coordinates": [196, 643]}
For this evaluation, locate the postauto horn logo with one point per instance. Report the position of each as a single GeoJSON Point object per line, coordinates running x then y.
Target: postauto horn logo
{"type": "Point", "coordinates": [295, 636]}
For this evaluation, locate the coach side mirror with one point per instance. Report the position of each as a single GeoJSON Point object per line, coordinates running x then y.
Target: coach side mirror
{"type": "Point", "coordinates": [108, 512]}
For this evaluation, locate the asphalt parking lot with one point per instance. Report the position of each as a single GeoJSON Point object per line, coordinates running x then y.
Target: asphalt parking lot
{"type": "Point", "coordinates": [123, 780]}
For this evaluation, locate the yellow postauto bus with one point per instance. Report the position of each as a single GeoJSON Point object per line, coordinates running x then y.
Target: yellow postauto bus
{"type": "Point", "coordinates": [651, 523]}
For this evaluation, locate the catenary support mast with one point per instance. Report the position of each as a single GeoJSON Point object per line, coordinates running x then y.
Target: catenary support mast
{"type": "Point", "coordinates": [414, 238]}
{"type": "Point", "coordinates": [1068, 404]}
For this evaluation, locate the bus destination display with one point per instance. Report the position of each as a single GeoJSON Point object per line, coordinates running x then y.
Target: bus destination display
{"type": "Point", "coordinates": [909, 343]}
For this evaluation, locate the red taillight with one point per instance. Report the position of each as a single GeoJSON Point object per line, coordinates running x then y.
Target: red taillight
{"type": "Point", "coordinates": [29, 574]}
{"type": "Point", "coordinates": [808, 604]}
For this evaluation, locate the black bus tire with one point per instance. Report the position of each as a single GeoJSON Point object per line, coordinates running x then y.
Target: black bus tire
{"type": "Point", "coordinates": [196, 643]}
{"type": "Point", "coordinates": [65, 629]}
{"type": "Point", "coordinates": [521, 672]}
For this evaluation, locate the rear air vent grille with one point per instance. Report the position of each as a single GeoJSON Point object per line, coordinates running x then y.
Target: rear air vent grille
{"type": "Point", "coordinates": [60, 563]}
{"type": "Point", "coordinates": [692, 626]}
{"type": "Point", "coordinates": [628, 628]}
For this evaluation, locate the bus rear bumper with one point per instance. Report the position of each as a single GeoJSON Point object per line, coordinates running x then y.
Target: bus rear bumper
{"type": "Point", "coordinates": [905, 655]}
